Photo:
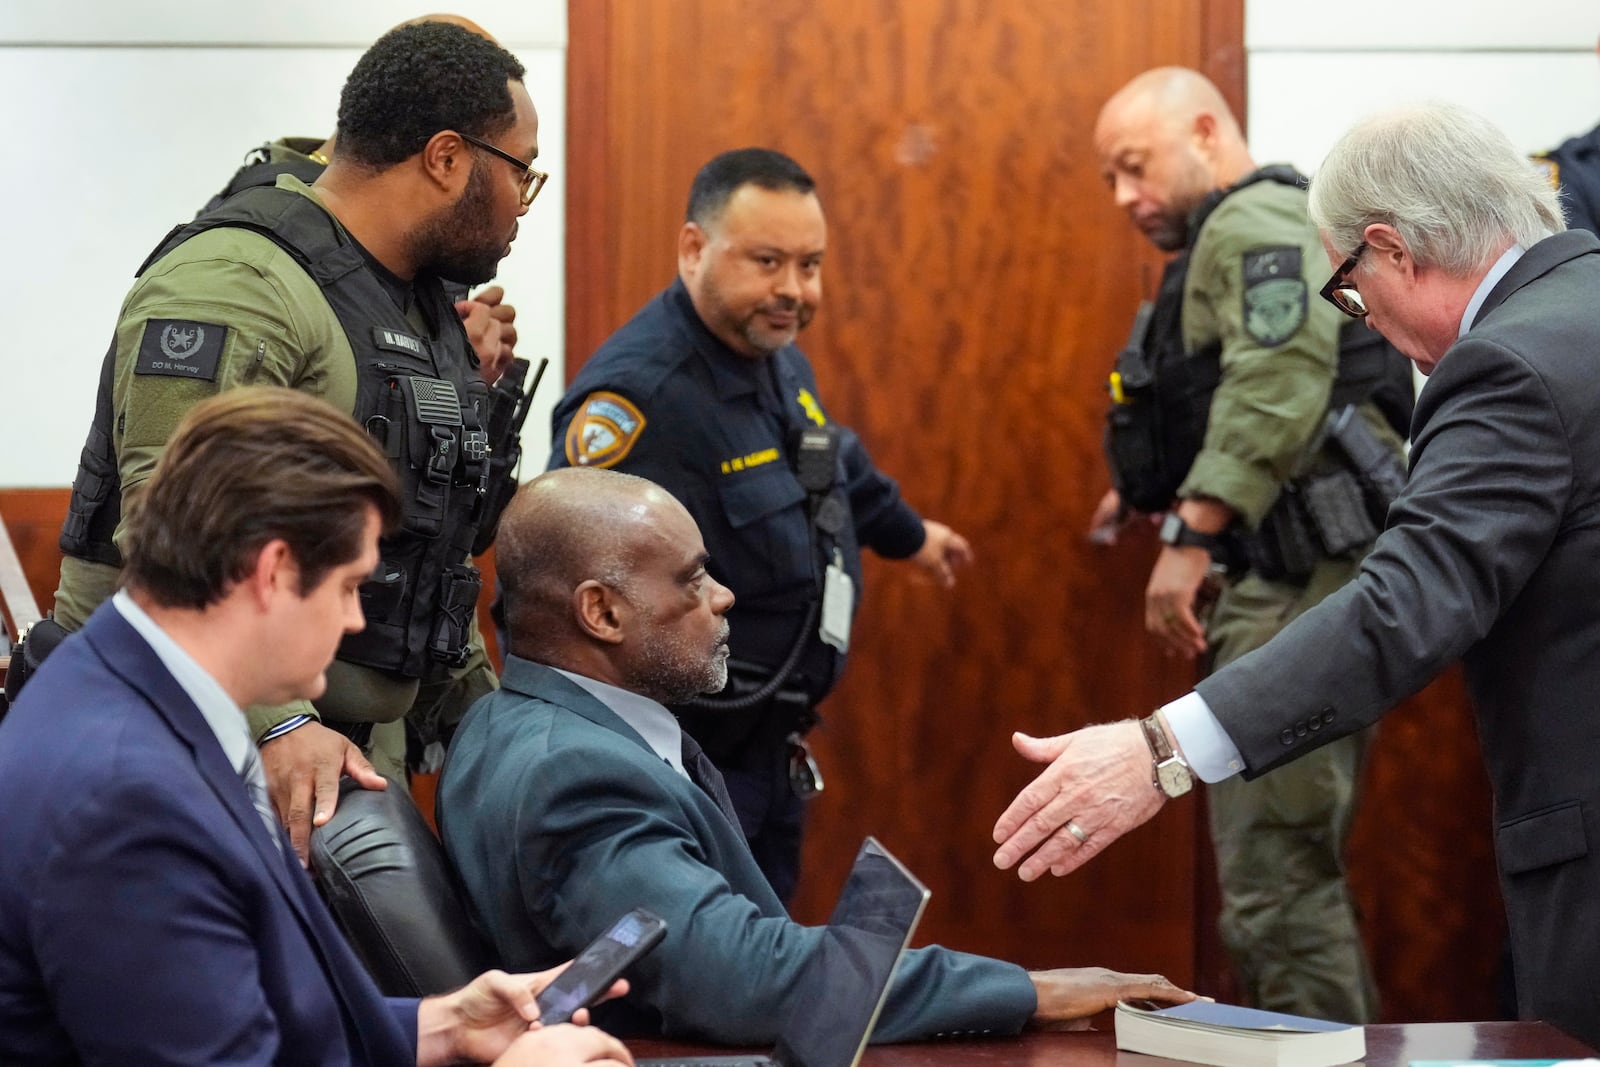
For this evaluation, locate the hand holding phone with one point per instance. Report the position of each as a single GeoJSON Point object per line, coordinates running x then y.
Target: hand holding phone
{"type": "Point", "coordinates": [588, 977]}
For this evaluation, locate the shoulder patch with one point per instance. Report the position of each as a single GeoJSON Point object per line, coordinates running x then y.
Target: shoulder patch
{"type": "Point", "coordinates": [1275, 299]}
{"type": "Point", "coordinates": [181, 349]}
{"type": "Point", "coordinates": [603, 430]}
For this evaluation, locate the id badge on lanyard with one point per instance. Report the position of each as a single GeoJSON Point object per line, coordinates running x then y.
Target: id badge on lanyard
{"type": "Point", "coordinates": [838, 604]}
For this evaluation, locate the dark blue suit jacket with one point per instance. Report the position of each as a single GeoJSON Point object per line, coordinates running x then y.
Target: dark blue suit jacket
{"type": "Point", "coordinates": [560, 818]}
{"type": "Point", "coordinates": [145, 916]}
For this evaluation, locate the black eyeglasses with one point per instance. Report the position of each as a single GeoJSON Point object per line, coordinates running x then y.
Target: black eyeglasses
{"type": "Point", "coordinates": [1345, 297]}
{"type": "Point", "coordinates": [532, 180]}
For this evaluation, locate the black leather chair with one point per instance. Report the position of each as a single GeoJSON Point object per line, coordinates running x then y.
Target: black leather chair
{"type": "Point", "coordinates": [384, 876]}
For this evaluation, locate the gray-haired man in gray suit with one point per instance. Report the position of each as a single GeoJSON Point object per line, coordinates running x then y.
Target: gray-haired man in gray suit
{"type": "Point", "coordinates": [1452, 245]}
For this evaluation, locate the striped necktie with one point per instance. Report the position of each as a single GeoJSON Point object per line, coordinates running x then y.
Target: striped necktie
{"type": "Point", "coordinates": [703, 773]}
{"type": "Point", "coordinates": [255, 780]}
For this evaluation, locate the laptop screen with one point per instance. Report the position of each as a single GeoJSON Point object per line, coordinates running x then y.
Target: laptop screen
{"type": "Point", "coordinates": [844, 984]}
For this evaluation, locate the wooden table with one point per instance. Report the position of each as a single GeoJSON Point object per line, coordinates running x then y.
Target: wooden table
{"type": "Point", "coordinates": [1387, 1046]}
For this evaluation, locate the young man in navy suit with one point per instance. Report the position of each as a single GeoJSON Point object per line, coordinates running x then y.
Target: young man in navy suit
{"type": "Point", "coordinates": [151, 909]}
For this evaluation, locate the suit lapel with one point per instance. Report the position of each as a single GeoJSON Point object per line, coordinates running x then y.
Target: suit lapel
{"type": "Point", "coordinates": [136, 663]}
{"type": "Point", "coordinates": [540, 682]}
{"type": "Point", "coordinates": [127, 654]}
{"type": "Point", "coordinates": [1538, 261]}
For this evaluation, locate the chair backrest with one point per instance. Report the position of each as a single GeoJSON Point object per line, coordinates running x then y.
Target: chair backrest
{"type": "Point", "coordinates": [384, 876]}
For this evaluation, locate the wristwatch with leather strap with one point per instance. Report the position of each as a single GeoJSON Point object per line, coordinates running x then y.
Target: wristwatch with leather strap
{"type": "Point", "coordinates": [1171, 774]}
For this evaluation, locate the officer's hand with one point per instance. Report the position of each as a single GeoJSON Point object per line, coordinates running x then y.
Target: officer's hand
{"type": "Point", "coordinates": [488, 324]}
{"type": "Point", "coordinates": [942, 552]}
{"type": "Point", "coordinates": [1110, 518]}
{"type": "Point", "coordinates": [505, 314]}
{"type": "Point", "coordinates": [1169, 599]}
{"type": "Point", "coordinates": [302, 769]}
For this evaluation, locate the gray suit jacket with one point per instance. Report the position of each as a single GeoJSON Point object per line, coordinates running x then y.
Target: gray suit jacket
{"type": "Point", "coordinates": [1492, 556]}
{"type": "Point", "coordinates": [560, 818]}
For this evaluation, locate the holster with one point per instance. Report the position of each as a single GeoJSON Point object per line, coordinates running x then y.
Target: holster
{"type": "Point", "coordinates": [1315, 518]}
{"type": "Point", "coordinates": [1284, 548]}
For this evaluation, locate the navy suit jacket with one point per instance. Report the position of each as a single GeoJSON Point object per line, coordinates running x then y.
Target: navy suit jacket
{"type": "Point", "coordinates": [1491, 555]}
{"type": "Point", "coordinates": [145, 916]}
{"type": "Point", "coordinates": [560, 818]}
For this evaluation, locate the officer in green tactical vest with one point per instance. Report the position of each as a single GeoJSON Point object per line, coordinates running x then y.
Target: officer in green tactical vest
{"type": "Point", "coordinates": [337, 289]}
{"type": "Point", "coordinates": [1220, 420]}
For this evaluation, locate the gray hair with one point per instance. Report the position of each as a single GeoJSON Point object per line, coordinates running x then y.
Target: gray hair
{"type": "Point", "coordinates": [1446, 179]}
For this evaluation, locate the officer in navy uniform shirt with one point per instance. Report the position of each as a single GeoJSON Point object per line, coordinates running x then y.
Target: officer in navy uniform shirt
{"type": "Point", "coordinates": [705, 393]}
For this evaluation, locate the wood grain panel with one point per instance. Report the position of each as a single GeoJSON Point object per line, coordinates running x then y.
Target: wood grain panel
{"type": "Point", "coordinates": [1422, 867]}
{"type": "Point", "coordinates": [33, 518]}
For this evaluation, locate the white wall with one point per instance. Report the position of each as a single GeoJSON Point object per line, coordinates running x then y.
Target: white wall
{"type": "Point", "coordinates": [123, 117]}
{"type": "Point", "coordinates": [1314, 69]}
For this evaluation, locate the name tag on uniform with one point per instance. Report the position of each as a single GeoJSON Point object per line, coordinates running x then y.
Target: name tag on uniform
{"type": "Point", "coordinates": [838, 605]}
{"type": "Point", "coordinates": [180, 349]}
{"type": "Point", "coordinates": [404, 343]}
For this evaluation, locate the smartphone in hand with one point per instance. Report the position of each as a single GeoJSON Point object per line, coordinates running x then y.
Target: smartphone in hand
{"type": "Point", "coordinates": [589, 976]}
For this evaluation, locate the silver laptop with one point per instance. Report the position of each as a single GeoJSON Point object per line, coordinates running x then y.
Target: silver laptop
{"type": "Point", "coordinates": [845, 982]}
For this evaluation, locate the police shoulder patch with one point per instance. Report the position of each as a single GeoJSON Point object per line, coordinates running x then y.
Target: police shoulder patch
{"type": "Point", "coordinates": [1275, 299]}
{"type": "Point", "coordinates": [181, 349]}
{"type": "Point", "coordinates": [603, 430]}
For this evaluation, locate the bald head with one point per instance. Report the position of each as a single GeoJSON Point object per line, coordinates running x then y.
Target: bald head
{"type": "Point", "coordinates": [566, 527]}
{"type": "Point", "coordinates": [1166, 140]}
{"type": "Point", "coordinates": [604, 574]}
{"type": "Point", "coordinates": [1175, 95]}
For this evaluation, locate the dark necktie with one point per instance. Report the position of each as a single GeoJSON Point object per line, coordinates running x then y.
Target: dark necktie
{"type": "Point", "coordinates": [703, 773]}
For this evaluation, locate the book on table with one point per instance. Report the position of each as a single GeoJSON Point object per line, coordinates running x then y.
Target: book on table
{"type": "Point", "coordinates": [1230, 1036]}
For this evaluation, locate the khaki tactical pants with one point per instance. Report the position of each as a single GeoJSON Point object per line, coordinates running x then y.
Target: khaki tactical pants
{"type": "Point", "coordinates": [1287, 918]}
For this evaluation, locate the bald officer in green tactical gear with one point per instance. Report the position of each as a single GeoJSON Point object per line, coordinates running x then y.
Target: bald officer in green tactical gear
{"type": "Point", "coordinates": [1241, 354]}
{"type": "Point", "coordinates": [430, 174]}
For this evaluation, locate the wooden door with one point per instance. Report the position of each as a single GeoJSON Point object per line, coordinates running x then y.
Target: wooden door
{"type": "Point", "coordinates": [979, 281]}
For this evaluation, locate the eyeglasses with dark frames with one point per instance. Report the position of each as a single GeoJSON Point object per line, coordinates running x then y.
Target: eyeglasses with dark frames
{"type": "Point", "coordinates": [532, 180]}
{"type": "Point", "coordinates": [1341, 295]}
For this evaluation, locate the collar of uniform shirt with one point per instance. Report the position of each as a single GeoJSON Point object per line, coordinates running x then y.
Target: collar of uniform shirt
{"type": "Point", "coordinates": [651, 720]}
{"type": "Point", "coordinates": [734, 375]}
